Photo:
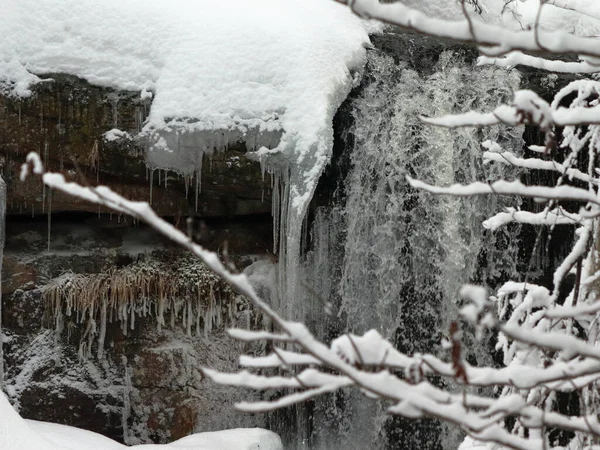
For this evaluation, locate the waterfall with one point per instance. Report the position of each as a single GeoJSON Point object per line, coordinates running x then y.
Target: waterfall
{"type": "Point", "coordinates": [392, 258]}
{"type": "Point", "coordinates": [2, 234]}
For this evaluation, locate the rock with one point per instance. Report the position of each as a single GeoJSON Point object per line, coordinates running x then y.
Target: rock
{"type": "Point", "coordinates": [149, 387]}
{"type": "Point", "coordinates": [65, 122]}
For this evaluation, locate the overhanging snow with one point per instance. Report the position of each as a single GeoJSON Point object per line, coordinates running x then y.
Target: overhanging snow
{"type": "Point", "coordinates": [270, 66]}
{"type": "Point", "coordinates": [270, 73]}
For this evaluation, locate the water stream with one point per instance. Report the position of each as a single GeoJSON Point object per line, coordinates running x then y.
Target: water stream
{"type": "Point", "coordinates": [392, 258]}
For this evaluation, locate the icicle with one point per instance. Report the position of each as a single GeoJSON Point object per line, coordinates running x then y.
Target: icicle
{"type": "Point", "coordinates": [199, 177]}
{"type": "Point", "coordinates": [115, 113]}
{"type": "Point", "coordinates": [95, 157]}
{"type": "Point", "coordinates": [49, 216]}
{"type": "Point", "coordinates": [42, 118]}
{"type": "Point", "coordinates": [43, 184]}
{"type": "Point", "coordinates": [102, 334]}
{"type": "Point", "coordinates": [124, 317]}
{"type": "Point", "coordinates": [275, 207]}
{"type": "Point", "coordinates": [173, 314]}
{"type": "Point", "coordinates": [304, 241]}
{"type": "Point", "coordinates": [207, 321]}
{"type": "Point", "coordinates": [189, 317]}
{"type": "Point", "coordinates": [160, 314]}
{"type": "Point", "coordinates": [151, 183]}
{"type": "Point", "coordinates": [159, 177]}
{"type": "Point", "coordinates": [198, 317]}
{"type": "Point", "coordinates": [197, 189]}
{"type": "Point", "coordinates": [132, 317]}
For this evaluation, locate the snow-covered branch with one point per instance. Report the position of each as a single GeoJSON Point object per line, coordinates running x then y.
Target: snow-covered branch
{"type": "Point", "coordinates": [551, 65]}
{"type": "Point", "coordinates": [367, 362]}
{"type": "Point", "coordinates": [512, 188]}
{"type": "Point", "coordinates": [493, 40]}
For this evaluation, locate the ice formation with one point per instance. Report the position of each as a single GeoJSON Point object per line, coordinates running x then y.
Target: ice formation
{"type": "Point", "coordinates": [19, 434]}
{"type": "Point", "coordinates": [189, 294]}
{"type": "Point", "coordinates": [391, 258]}
{"type": "Point", "coordinates": [270, 73]}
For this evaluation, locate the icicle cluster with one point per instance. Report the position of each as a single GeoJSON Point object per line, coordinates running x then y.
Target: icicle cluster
{"type": "Point", "coordinates": [183, 151]}
{"type": "Point", "coordinates": [186, 292]}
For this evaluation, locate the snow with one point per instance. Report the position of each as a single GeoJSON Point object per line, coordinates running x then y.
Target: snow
{"type": "Point", "coordinates": [19, 434]}
{"type": "Point", "coordinates": [580, 17]}
{"type": "Point", "coordinates": [269, 73]}
{"type": "Point", "coordinates": [582, 21]}
{"type": "Point", "coordinates": [115, 135]}
{"type": "Point", "coordinates": [470, 444]}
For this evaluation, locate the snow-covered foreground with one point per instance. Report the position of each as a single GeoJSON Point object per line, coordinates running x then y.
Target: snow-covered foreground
{"type": "Point", "coordinates": [268, 72]}
{"type": "Point", "coordinates": [17, 433]}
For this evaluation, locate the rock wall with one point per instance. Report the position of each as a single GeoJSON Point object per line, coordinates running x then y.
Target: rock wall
{"type": "Point", "coordinates": [65, 121]}
{"type": "Point", "coordinates": [148, 387]}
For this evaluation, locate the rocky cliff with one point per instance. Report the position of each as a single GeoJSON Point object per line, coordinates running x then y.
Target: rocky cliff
{"type": "Point", "coordinates": [145, 385]}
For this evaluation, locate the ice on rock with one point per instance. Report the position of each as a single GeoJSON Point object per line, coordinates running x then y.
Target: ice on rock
{"type": "Point", "coordinates": [17, 433]}
{"type": "Point", "coordinates": [269, 73]}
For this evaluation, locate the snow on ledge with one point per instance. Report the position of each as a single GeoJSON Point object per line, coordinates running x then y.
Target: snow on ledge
{"type": "Point", "coordinates": [270, 73]}
{"type": "Point", "coordinates": [270, 66]}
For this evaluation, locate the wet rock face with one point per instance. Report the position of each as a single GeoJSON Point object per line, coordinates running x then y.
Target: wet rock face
{"type": "Point", "coordinates": [148, 387]}
{"type": "Point", "coordinates": [65, 121]}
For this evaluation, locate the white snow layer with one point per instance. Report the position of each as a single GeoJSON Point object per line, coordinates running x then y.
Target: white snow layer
{"type": "Point", "coordinates": [19, 434]}
{"type": "Point", "coordinates": [269, 73]}
{"type": "Point", "coordinates": [579, 17]}
{"type": "Point", "coordinates": [218, 70]}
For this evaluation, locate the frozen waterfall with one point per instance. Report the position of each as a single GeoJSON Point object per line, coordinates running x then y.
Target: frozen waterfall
{"type": "Point", "coordinates": [392, 258]}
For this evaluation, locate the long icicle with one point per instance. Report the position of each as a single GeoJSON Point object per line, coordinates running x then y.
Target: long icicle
{"type": "Point", "coordinates": [49, 216]}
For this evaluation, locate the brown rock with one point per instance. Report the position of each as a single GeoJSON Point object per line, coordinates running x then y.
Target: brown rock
{"type": "Point", "coordinates": [184, 419]}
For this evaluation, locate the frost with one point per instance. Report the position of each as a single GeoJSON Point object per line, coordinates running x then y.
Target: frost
{"type": "Point", "coordinates": [189, 294]}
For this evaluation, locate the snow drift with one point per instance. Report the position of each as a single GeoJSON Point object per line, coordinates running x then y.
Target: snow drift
{"type": "Point", "coordinates": [19, 434]}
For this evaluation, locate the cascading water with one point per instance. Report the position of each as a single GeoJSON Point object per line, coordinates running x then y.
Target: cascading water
{"type": "Point", "coordinates": [392, 258]}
